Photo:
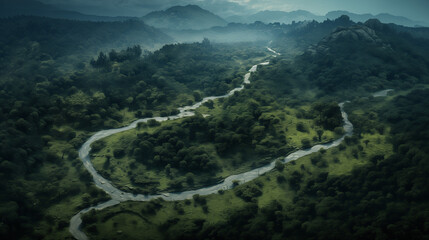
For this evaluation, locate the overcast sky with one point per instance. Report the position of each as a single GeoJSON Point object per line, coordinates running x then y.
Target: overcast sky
{"type": "Point", "coordinates": [413, 9]}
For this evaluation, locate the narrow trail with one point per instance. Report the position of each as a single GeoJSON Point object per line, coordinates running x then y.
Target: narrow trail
{"type": "Point", "coordinates": [119, 196]}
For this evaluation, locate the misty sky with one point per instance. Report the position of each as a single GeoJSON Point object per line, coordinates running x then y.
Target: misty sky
{"type": "Point", "coordinates": [413, 9]}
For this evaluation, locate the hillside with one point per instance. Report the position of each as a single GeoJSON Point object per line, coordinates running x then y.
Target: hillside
{"type": "Point", "coordinates": [35, 8]}
{"type": "Point", "coordinates": [383, 17]}
{"type": "Point", "coordinates": [380, 58]}
{"type": "Point", "coordinates": [184, 17]}
{"type": "Point", "coordinates": [59, 37]}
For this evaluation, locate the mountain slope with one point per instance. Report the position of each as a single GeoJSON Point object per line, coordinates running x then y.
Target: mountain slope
{"type": "Point", "coordinates": [384, 18]}
{"type": "Point", "coordinates": [59, 37]}
{"type": "Point", "coordinates": [184, 17]}
{"type": "Point", "coordinates": [34, 8]}
{"type": "Point", "coordinates": [370, 56]}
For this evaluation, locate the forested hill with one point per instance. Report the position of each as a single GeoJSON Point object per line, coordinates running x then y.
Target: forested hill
{"type": "Point", "coordinates": [300, 35]}
{"type": "Point", "coordinates": [13, 8]}
{"type": "Point", "coordinates": [356, 59]}
{"type": "Point", "coordinates": [184, 17]}
{"type": "Point", "coordinates": [58, 37]}
{"type": "Point", "coordinates": [371, 56]}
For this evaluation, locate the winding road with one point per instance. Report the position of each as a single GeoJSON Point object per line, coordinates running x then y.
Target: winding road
{"type": "Point", "coordinates": [119, 196]}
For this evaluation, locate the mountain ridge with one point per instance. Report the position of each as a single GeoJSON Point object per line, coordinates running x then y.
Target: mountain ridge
{"type": "Point", "coordinates": [184, 17]}
{"type": "Point", "coordinates": [302, 15]}
{"type": "Point", "coordinates": [39, 9]}
{"type": "Point", "coordinates": [383, 17]}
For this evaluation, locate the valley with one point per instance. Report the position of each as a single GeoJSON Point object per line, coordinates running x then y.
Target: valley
{"type": "Point", "coordinates": [180, 123]}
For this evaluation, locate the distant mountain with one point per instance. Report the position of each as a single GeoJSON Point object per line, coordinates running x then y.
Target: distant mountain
{"type": "Point", "coordinates": [10, 8]}
{"type": "Point", "coordinates": [276, 16]}
{"type": "Point", "coordinates": [384, 18]}
{"type": "Point", "coordinates": [184, 17]}
{"type": "Point", "coordinates": [301, 15]}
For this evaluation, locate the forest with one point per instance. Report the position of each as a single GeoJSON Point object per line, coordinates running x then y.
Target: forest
{"type": "Point", "coordinates": [48, 112]}
{"type": "Point", "coordinates": [60, 82]}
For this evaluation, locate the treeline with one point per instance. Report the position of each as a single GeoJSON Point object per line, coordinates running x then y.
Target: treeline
{"type": "Point", "coordinates": [105, 61]}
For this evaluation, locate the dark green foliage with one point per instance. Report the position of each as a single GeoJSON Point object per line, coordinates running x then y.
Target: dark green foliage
{"type": "Point", "coordinates": [306, 143]}
{"type": "Point", "coordinates": [301, 127]}
{"type": "Point", "coordinates": [409, 123]}
{"type": "Point", "coordinates": [152, 206]}
{"type": "Point", "coordinates": [97, 146]}
{"type": "Point", "coordinates": [131, 53]}
{"type": "Point", "coordinates": [248, 192]}
{"type": "Point", "coordinates": [101, 62]}
{"type": "Point", "coordinates": [319, 134]}
{"type": "Point", "coordinates": [281, 179]}
{"type": "Point", "coordinates": [318, 160]}
{"type": "Point", "coordinates": [118, 153]}
{"type": "Point", "coordinates": [327, 115]}
{"type": "Point", "coordinates": [243, 127]}
{"type": "Point", "coordinates": [174, 147]}
{"type": "Point", "coordinates": [105, 61]}
{"type": "Point", "coordinates": [199, 199]}
{"type": "Point", "coordinates": [295, 180]}
{"type": "Point", "coordinates": [279, 165]}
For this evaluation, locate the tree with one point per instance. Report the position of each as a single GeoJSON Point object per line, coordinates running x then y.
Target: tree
{"type": "Point", "coordinates": [319, 134]}
{"type": "Point", "coordinates": [279, 166]}
{"type": "Point", "coordinates": [295, 180]}
{"type": "Point", "coordinates": [101, 62]}
{"type": "Point", "coordinates": [206, 42]}
{"type": "Point", "coordinates": [118, 153]}
{"type": "Point", "coordinates": [301, 127]}
{"type": "Point", "coordinates": [248, 192]}
{"type": "Point", "coordinates": [190, 178]}
{"type": "Point", "coordinates": [366, 141]}
{"type": "Point", "coordinates": [306, 143]}
{"type": "Point", "coordinates": [197, 96]}
{"type": "Point", "coordinates": [153, 123]}
{"type": "Point", "coordinates": [327, 115]}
